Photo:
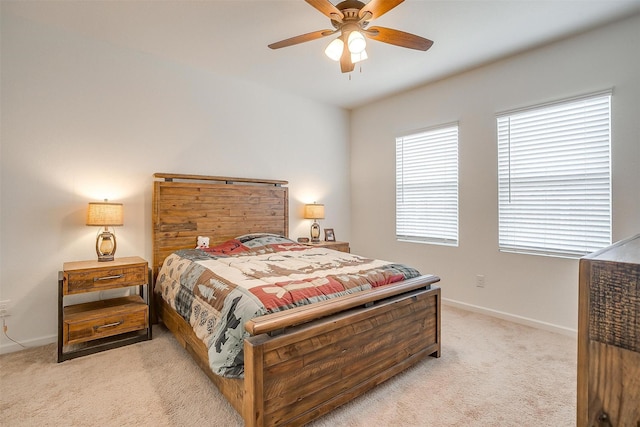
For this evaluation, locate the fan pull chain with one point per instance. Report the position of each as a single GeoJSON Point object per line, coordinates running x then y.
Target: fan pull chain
{"type": "Point", "coordinates": [352, 73]}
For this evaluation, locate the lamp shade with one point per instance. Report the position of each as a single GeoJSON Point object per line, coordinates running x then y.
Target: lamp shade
{"type": "Point", "coordinates": [357, 57]}
{"type": "Point", "coordinates": [314, 211]}
{"type": "Point", "coordinates": [334, 49]}
{"type": "Point", "coordinates": [356, 42]}
{"type": "Point", "coordinates": [105, 214]}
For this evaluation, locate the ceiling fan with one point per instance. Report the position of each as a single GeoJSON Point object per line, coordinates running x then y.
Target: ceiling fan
{"type": "Point", "coordinates": [350, 19]}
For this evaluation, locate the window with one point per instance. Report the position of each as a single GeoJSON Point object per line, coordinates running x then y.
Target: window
{"type": "Point", "coordinates": [427, 186]}
{"type": "Point", "coordinates": [554, 179]}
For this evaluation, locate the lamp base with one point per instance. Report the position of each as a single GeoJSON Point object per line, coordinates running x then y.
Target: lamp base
{"type": "Point", "coordinates": [315, 232]}
{"type": "Point", "coordinates": [106, 246]}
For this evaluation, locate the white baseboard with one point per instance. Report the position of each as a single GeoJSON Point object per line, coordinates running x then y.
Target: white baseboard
{"type": "Point", "coordinates": [512, 318]}
{"type": "Point", "coordinates": [10, 347]}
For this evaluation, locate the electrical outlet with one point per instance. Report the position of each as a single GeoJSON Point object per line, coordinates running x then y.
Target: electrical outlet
{"type": "Point", "coordinates": [480, 281]}
{"type": "Point", "coordinates": [4, 308]}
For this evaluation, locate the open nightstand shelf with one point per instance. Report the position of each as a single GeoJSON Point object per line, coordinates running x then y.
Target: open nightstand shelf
{"type": "Point", "coordinates": [95, 326]}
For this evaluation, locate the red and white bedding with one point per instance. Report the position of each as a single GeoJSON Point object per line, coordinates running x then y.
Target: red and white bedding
{"type": "Point", "coordinates": [217, 290]}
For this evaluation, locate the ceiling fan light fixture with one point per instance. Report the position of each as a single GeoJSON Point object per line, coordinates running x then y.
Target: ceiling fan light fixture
{"type": "Point", "coordinates": [334, 49]}
{"type": "Point", "coordinates": [356, 42]}
{"type": "Point", "coordinates": [357, 57]}
{"type": "Point", "coordinates": [350, 19]}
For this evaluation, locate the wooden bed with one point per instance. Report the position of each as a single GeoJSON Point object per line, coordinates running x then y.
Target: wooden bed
{"type": "Point", "coordinates": [303, 362]}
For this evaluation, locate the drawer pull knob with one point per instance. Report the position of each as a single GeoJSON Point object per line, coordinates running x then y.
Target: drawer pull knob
{"type": "Point", "coordinates": [118, 276]}
{"type": "Point", "coordinates": [603, 419]}
{"type": "Point", "coordinates": [108, 325]}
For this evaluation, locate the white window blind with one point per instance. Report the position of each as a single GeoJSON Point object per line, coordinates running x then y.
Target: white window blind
{"type": "Point", "coordinates": [427, 186]}
{"type": "Point", "coordinates": [554, 177]}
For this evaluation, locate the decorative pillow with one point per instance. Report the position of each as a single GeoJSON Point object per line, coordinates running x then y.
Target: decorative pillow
{"type": "Point", "coordinates": [233, 246]}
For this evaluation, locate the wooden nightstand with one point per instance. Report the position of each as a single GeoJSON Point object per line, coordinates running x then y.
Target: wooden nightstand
{"type": "Point", "coordinates": [95, 326]}
{"type": "Point", "coordinates": [337, 246]}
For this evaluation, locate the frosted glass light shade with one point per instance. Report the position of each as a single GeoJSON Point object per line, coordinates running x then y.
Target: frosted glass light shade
{"type": "Point", "coordinates": [356, 42]}
{"type": "Point", "coordinates": [357, 57]}
{"type": "Point", "coordinates": [334, 49]}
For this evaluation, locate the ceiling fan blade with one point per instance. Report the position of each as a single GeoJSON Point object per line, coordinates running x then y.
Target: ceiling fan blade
{"type": "Point", "coordinates": [377, 8]}
{"type": "Point", "coordinates": [301, 38]}
{"type": "Point", "coordinates": [398, 38]}
{"type": "Point", "coordinates": [346, 65]}
{"type": "Point", "coordinates": [327, 8]}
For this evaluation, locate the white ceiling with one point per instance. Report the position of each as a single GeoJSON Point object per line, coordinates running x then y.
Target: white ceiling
{"type": "Point", "coordinates": [231, 37]}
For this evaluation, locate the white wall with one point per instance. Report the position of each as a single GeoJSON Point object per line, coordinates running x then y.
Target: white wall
{"type": "Point", "coordinates": [528, 288]}
{"type": "Point", "coordinates": [83, 120]}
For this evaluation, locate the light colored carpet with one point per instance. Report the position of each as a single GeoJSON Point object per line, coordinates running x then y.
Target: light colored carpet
{"type": "Point", "coordinates": [491, 373]}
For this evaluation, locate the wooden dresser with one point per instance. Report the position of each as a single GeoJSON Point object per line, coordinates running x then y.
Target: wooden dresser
{"type": "Point", "coordinates": [609, 337]}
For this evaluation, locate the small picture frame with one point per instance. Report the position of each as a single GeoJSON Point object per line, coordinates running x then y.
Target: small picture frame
{"type": "Point", "coordinates": [329, 235]}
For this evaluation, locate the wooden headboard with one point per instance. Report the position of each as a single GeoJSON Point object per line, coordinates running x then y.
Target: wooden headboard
{"type": "Point", "coordinates": [221, 208]}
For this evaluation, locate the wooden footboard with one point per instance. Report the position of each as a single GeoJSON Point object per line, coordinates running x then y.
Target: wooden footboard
{"type": "Point", "coordinates": [303, 372]}
{"type": "Point", "coordinates": [293, 378]}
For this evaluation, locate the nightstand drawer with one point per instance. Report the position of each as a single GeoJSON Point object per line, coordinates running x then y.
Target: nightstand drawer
{"type": "Point", "coordinates": [335, 245]}
{"type": "Point", "coordinates": [100, 319]}
{"type": "Point", "coordinates": [339, 246]}
{"type": "Point", "coordinates": [90, 280]}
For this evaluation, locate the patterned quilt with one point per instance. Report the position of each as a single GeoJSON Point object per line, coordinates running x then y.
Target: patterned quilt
{"type": "Point", "coordinates": [217, 290]}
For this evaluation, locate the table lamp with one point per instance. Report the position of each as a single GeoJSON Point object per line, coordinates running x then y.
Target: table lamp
{"type": "Point", "coordinates": [315, 212]}
{"type": "Point", "coordinates": [107, 215]}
